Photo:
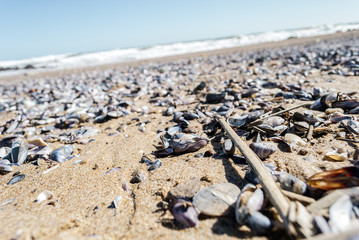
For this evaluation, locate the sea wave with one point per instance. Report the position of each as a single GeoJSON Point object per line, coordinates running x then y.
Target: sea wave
{"type": "Point", "coordinates": [74, 60]}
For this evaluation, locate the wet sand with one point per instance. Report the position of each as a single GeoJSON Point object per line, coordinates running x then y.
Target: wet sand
{"type": "Point", "coordinates": [82, 193]}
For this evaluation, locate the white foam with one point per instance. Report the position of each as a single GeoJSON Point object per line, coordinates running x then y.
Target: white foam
{"type": "Point", "coordinates": [65, 61]}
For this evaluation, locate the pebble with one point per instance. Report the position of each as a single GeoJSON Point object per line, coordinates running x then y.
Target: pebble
{"type": "Point", "coordinates": [216, 200]}
{"type": "Point", "coordinates": [185, 189]}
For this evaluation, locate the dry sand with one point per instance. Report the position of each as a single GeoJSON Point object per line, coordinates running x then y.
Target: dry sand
{"type": "Point", "coordinates": [82, 193]}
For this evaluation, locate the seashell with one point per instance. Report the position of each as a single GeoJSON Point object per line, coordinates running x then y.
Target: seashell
{"type": "Point", "coordinates": [19, 149]}
{"type": "Point", "coordinates": [317, 105]}
{"type": "Point", "coordinates": [340, 214]}
{"type": "Point", "coordinates": [186, 146]}
{"type": "Point", "coordinates": [184, 212]}
{"type": "Point", "coordinates": [216, 200]}
{"type": "Point", "coordinates": [252, 116]}
{"type": "Point", "coordinates": [37, 142]}
{"type": "Point", "coordinates": [4, 167]}
{"type": "Point", "coordinates": [301, 126]}
{"type": "Point", "coordinates": [322, 224]}
{"type": "Point", "coordinates": [351, 125]}
{"type": "Point", "coordinates": [45, 195]}
{"type": "Point", "coordinates": [291, 183]}
{"type": "Point", "coordinates": [335, 156]}
{"type": "Point", "coordinates": [157, 164]}
{"type": "Point", "coordinates": [215, 97]}
{"type": "Point", "coordinates": [237, 122]}
{"type": "Point", "coordinates": [61, 154]}
{"type": "Point", "coordinates": [329, 111]}
{"type": "Point", "coordinates": [274, 121]}
{"type": "Point", "coordinates": [335, 179]}
{"type": "Point", "coordinates": [255, 202]}
{"type": "Point", "coordinates": [137, 177]}
{"type": "Point", "coordinates": [346, 104]}
{"type": "Point", "coordinates": [354, 110]}
{"type": "Point", "coordinates": [329, 99]}
{"type": "Point", "coordinates": [263, 149]}
{"type": "Point", "coordinates": [258, 222]}
{"type": "Point", "coordinates": [190, 116]}
{"type": "Point", "coordinates": [199, 87]}
{"type": "Point", "coordinates": [163, 152]}
{"type": "Point", "coordinates": [228, 147]}
{"type": "Point", "coordinates": [4, 151]}
{"type": "Point", "coordinates": [173, 130]}
{"type": "Point", "coordinates": [294, 140]}
{"type": "Point", "coordinates": [306, 116]}
{"type": "Point", "coordinates": [116, 201]}
{"type": "Point", "coordinates": [169, 111]}
{"type": "Point", "coordinates": [16, 179]}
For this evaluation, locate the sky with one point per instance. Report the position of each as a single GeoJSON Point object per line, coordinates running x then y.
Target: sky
{"type": "Point", "coordinates": [44, 27]}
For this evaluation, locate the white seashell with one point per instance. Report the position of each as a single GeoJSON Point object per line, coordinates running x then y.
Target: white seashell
{"type": "Point", "coordinates": [44, 196]}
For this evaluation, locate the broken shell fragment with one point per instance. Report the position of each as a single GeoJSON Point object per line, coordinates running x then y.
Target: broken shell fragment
{"type": "Point", "coordinates": [157, 164]}
{"type": "Point", "coordinates": [137, 177]}
{"type": "Point", "coordinates": [61, 154]}
{"type": "Point", "coordinates": [45, 195]}
{"type": "Point", "coordinates": [335, 156]}
{"type": "Point", "coordinates": [216, 200]}
{"type": "Point", "coordinates": [16, 179]}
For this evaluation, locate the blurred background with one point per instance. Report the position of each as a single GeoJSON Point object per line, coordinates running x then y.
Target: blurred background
{"type": "Point", "coordinates": [65, 34]}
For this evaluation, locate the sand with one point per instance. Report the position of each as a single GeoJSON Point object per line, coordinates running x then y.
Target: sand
{"type": "Point", "coordinates": [82, 194]}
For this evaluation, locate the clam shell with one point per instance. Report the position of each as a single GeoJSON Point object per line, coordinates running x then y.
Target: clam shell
{"type": "Point", "coordinates": [340, 214]}
{"type": "Point", "coordinates": [263, 149]}
{"type": "Point", "coordinates": [19, 150]}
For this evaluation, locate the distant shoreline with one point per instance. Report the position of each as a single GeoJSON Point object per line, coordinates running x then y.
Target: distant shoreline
{"type": "Point", "coordinates": [5, 80]}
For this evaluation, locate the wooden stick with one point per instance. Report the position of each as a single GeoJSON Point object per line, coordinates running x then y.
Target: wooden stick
{"type": "Point", "coordinates": [297, 197]}
{"type": "Point", "coordinates": [348, 140]}
{"type": "Point", "coordinates": [276, 197]}
{"type": "Point", "coordinates": [328, 200]}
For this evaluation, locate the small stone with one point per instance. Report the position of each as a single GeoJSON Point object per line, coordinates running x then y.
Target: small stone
{"type": "Point", "coordinates": [303, 152]}
{"type": "Point", "coordinates": [186, 189]}
{"type": "Point", "coordinates": [216, 200]}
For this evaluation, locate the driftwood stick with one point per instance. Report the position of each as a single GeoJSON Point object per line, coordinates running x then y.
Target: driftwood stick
{"type": "Point", "coordinates": [328, 200]}
{"type": "Point", "coordinates": [260, 120]}
{"type": "Point", "coordinates": [297, 197]}
{"type": "Point", "coordinates": [276, 197]}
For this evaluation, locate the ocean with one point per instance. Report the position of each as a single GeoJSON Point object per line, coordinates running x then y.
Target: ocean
{"type": "Point", "coordinates": [74, 60]}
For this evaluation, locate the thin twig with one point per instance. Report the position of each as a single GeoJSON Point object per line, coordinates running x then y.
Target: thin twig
{"type": "Point", "coordinates": [348, 140]}
{"type": "Point", "coordinates": [258, 121]}
{"type": "Point", "coordinates": [297, 197]}
{"type": "Point", "coordinates": [276, 197]}
{"type": "Point", "coordinates": [328, 200]}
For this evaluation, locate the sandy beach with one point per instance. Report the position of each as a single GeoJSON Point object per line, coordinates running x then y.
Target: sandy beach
{"type": "Point", "coordinates": [83, 190]}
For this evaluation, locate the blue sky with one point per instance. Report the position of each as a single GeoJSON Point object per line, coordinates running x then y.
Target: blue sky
{"type": "Point", "coordinates": [37, 28]}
